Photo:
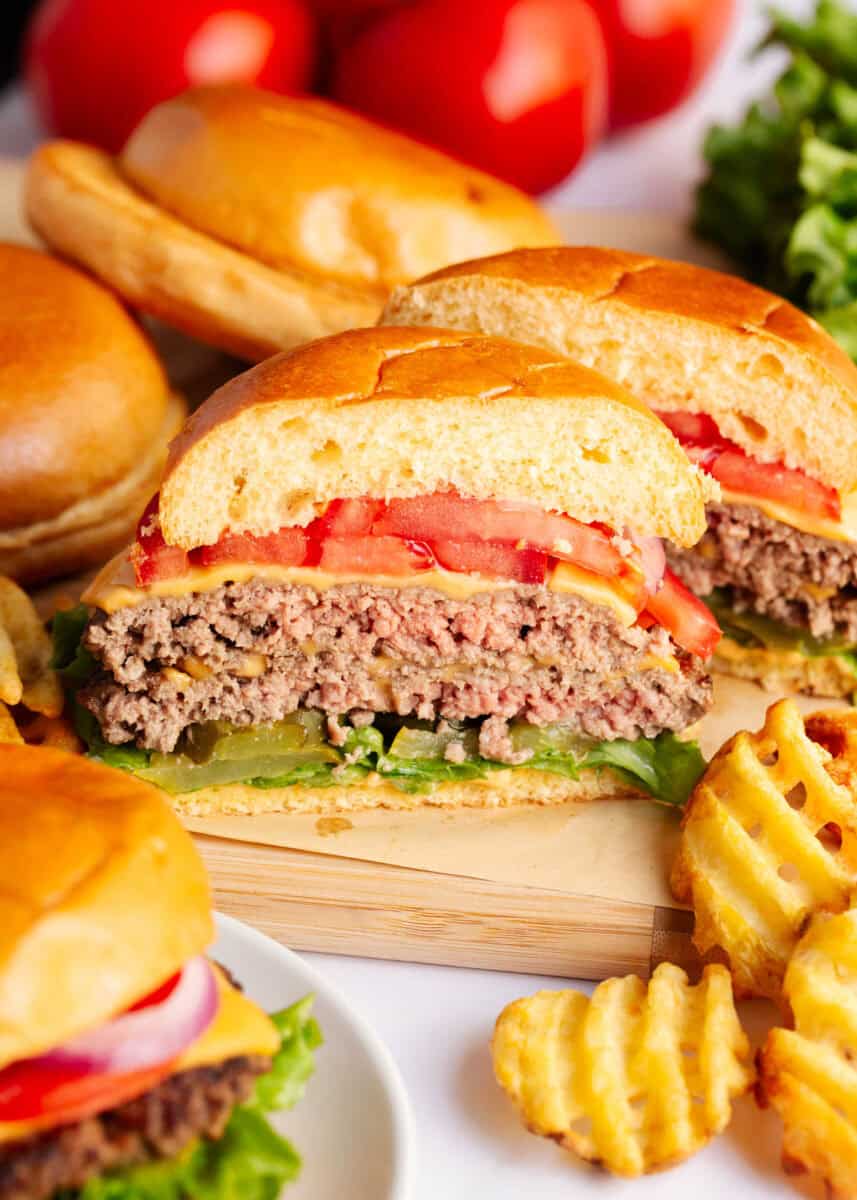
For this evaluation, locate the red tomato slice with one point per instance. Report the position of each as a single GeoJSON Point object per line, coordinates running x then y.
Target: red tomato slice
{"type": "Point", "coordinates": [349, 517]}
{"type": "Point", "coordinates": [288, 548]}
{"type": "Point", "coordinates": [371, 555]}
{"type": "Point", "coordinates": [492, 560]}
{"type": "Point", "coordinates": [31, 1089]}
{"type": "Point", "coordinates": [153, 559]}
{"type": "Point", "coordinates": [684, 616]}
{"type": "Point", "coordinates": [446, 516]}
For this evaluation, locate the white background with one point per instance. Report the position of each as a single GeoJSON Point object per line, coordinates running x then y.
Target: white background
{"type": "Point", "coordinates": [437, 1021]}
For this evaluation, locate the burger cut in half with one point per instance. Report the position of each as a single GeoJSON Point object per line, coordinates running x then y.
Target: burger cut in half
{"type": "Point", "coordinates": [402, 566]}
{"type": "Point", "coordinates": [132, 1067]}
{"type": "Point", "coordinates": [762, 399]}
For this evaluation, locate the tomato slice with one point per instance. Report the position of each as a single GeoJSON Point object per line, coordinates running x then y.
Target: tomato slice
{"type": "Point", "coordinates": [152, 558]}
{"type": "Point", "coordinates": [349, 517]}
{"type": "Point", "coordinates": [371, 555]}
{"type": "Point", "coordinates": [687, 620]}
{"type": "Point", "coordinates": [740, 472]}
{"type": "Point", "coordinates": [34, 1088]}
{"type": "Point", "coordinates": [447, 516]}
{"type": "Point", "coordinates": [287, 547]}
{"type": "Point", "coordinates": [492, 560]}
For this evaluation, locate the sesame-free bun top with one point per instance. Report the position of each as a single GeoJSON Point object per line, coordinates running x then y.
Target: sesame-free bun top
{"type": "Point", "coordinates": [308, 187]}
{"type": "Point", "coordinates": [679, 336]}
{"type": "Point", "coordinates": [103, 896]}
{"type": "Point", "coordinates": [390, 412]}
{"type": "Point", "coordinates": [83, 397]}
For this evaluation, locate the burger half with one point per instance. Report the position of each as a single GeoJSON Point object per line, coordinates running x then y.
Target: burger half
{"type": "Point", "coordinates": [400, 566]}
{"type": "Point", "coordinates": [762, 399]}
{"type": "Point", "coordinates": [131, 1065]}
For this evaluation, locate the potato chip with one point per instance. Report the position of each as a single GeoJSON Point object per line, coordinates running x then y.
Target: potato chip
{"type": "Point", "coordinates": [9, 731]}
{"type": "Point", "coordinates": [25, 653]}
{"type": "Point", "coordinates": [634, 1079]}
{"type": "Point", "coordinates": [769, 837]}
{"type": "Point", "coordinates": [809, 1073]}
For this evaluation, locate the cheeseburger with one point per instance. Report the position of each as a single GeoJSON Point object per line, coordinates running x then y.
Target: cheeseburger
{"type": "Point", "coordinates": [762, 399]}
{"type": "Point", "coordinates": [255, 221]}
{"type": "Point", "coordinates": [131, 1064]}
{"type": "Point", "coordinates": [400, 566]}
{"type": "Point", "coordinates": [85, 417]}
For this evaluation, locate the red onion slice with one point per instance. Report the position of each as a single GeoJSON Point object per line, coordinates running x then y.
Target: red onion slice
{"type": "Point", "coordinates": [653, 561]}
{"type": "Point", "coordinates": [144, 1037]}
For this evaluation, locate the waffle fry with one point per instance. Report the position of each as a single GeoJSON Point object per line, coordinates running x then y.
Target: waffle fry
{"type": "Point", "coordinates": [25, 654]}
{"type": "Point", "coordinates": [9, 731]}
{"type": "Point", "coordinates": [769, 837]}
{"type": "Point", "coordinates": [634, 1079]}
{"type": "Point", "coordinates": [57, 732]}
{"type": "Point", "coordinates": [809, 1073]}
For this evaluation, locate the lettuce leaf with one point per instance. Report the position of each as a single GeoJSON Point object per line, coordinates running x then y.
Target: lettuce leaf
{"type": "Point", "coordinates": [251, 1161]}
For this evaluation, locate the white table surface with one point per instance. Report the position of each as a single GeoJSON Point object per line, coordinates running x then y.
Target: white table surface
{"type": "Point", "coordinates": [437, 1021]}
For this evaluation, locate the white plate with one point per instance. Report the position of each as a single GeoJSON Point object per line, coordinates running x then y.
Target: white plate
{"type": "Point", "coordinates": [353, 1128]}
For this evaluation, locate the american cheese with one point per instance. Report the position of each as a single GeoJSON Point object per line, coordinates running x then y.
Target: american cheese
{"type": "Point", "coordinates": [843, 530]}
{"type": "Point", "coordinates": [239, 1028]}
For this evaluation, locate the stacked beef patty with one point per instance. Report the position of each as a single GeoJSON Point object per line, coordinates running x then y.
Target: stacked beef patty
{"type": "Point", "coordinates": [252, 653]}
{"type": "Point", "coordinates": [773, 569]}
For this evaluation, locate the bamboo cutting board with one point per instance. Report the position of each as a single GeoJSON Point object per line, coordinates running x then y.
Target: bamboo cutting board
{"type": "Point", "coordinates": [579, 891]}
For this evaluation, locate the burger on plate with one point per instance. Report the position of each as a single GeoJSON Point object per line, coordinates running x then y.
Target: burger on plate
{"type": "Point", "coordinates": [762, 399]}
{"type": "Point", "coordinates": [397, 567]}
{"type": "Point", "coordinates": [131, 1064]}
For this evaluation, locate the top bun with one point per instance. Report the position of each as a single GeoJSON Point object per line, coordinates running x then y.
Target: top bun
{"type": "Point", "coordinates": [390, 412]}
{"type": "Point", "coordinates": [679, 336]}
{"type": "Point", "coordinates": [83, 397]}
{"type": "Point", "coordinates": [310, 188]}
{"type": "Point", "coordinates": [103, 896]}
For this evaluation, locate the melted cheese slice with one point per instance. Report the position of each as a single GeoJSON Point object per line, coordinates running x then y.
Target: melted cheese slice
{"type": "Point", "coordinates": [114, 586]}
{"type": "Point", "coordinates": [843, 530]}
{"type": "Point", "coordinates": [239, 1028]}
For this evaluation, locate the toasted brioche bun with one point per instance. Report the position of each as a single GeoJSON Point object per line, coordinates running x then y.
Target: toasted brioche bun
{"type": "Point", "coordinates": [103, 896]}
{"type": "Point", "coordinates": [679, 336]}
{"type": "Point", "coordinates": [786, 670]}
{"type": "Point", "coordinates": [257, 221]}
{"type": "Point", "coordinates": [500, 789]}
{"type": "Point", "coordinates": [85, 417]}
{"type": "Point", "coordinates": [404, 412]}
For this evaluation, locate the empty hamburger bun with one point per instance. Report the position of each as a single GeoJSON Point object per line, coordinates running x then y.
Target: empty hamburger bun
{"type": "Point", "coordinates": [679, 336]}
{"type": "Point", "coordinates": [104, 896]}
{"type": "Point", "coordinates": [389, 412]}
{"type": "Point", "coordinates": [256, 221]}
{"type": "Point", "coordinates": [85, 417]}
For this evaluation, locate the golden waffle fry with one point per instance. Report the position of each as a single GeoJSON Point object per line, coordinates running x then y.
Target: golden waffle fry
{"type": "Point", "coordinates": [634, 1078]}
{"type": "Point", "coordinates": [9, 731]}
{"type": "Point", "coordinates": [52, 731]}
{"type": "Point", "coordinates": [25, 653]}
{"type": "Point", "coordinates": [769, 837]}
{"type": "Point", "coordinates": [809, 1073]}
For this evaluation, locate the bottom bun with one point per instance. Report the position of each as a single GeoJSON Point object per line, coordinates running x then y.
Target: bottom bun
{"type": "Point", "coordinates": [787, 670]}
{"type": "Point", "coordinates": [500, 789]}
{"type": "Point", "coordinates": [97, 527]}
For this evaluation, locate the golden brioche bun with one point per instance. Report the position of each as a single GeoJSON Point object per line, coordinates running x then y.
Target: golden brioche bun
{"type": "Point", "coordinates": [103, 896]}
{"type": "Point", "coordinates": [679, 336]}
{"type": "Point", "coordinates": [257, 221]}
{"type": "Point", "coordinates": [85, 416]}
{"type": "Point", "coordinates": [404, 412]}
{"type": "Point", "coordinates": [500, 789]}
{"type": "Point", "coordinates": [787, 670]}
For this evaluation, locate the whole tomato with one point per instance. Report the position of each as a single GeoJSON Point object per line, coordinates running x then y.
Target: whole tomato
{"type": "Point", "coordinates": [516, 87]}
{"type": "Point", "coordinates": [96, 67]}
{"type": "Point", "coordinates": [658, 51]}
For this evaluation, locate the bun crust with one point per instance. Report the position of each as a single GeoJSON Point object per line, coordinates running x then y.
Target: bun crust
{"type": "Point", "coordinates": [502, 789]}
{"type": "Point", "coordinates": [83, 396]}
{"type": "Point", "coordinates": [787, 671]}
{"type": "Point", "coordinates": [103, 896]}
{"type": "Point", "coordinates": [680, 336]}
{"type": "Point", "coordinates": [405, 412]}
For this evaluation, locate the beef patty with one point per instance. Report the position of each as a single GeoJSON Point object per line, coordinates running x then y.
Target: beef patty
{"type": "Point", "coordinates": [774, 569]}
{"type": "Point", "coordinates": [252, 653]}
{"type": "Point", "coordinates": [157, 1125]}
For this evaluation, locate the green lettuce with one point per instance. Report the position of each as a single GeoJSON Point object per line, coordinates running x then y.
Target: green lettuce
{"type": "Point", "coordinates": [251, 1161]}
{"type": "Point", "coordinates": [780, 196]}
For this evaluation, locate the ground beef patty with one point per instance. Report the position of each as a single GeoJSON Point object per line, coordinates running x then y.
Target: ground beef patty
{"type": "Point", "coordinates": [157, 1125]}
{"type": "Point", "coordinates": [775, 570]}
{"type": "Point", "coordinates": [260, 650]}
